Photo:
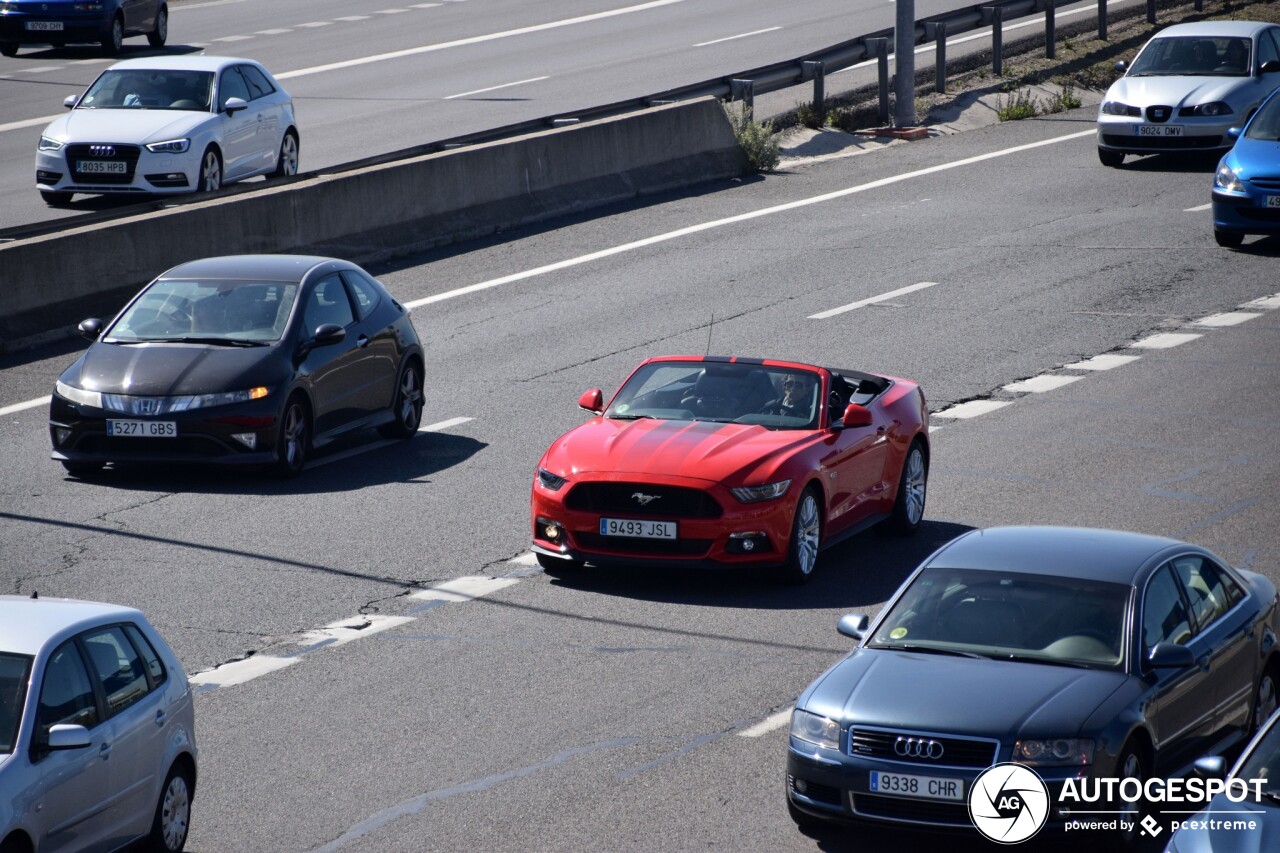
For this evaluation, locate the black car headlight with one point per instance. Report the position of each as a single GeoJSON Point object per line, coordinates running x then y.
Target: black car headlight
{"type": "Point", "coordinates": [1216, 109]}
{"type": "Point", "coordinates": [550, 481]}
{"type": "Point", "coordinates": [78, 395]}
{"type": "Point", "coordinates": [1227, 180]}
{"type": "Point", "coordinates": [1054, 752]}
{"type": "Point", "coordinates": [815, 729]}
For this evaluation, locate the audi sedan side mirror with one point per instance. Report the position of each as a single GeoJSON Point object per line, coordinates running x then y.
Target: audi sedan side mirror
{"type": "Point", "coordinates": [592, 401]}
{"type": "Point", "coordinates": [854, 625]}
{"type": "Point", "coordinates": [70, 101]}
{"type": "Point", "coordinates": [1171, 656]}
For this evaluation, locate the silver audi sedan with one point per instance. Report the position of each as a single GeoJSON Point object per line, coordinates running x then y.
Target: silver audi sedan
{"type": "Point", "coordinates": [97, 729]}
{"type": "Point", "coordinates": [1188, 86]}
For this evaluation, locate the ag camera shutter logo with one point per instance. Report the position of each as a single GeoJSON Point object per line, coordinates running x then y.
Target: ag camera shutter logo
{"type": "Point", "coordinates": [1008, 803]}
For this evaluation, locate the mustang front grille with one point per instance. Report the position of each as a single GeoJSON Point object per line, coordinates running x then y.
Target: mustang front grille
{"type": "Point", "coordinates": [642, 499]}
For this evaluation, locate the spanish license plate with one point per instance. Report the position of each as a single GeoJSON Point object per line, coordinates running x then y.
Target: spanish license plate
{"type": "Point", "coordinates": [1157, 130]}
{"type": "Point", "coordinates": [109, 167]}
{"type": "Point", "coordinates": [1273, 201]}
{"type": "Point", "coordinates": [637, 529]}
{"type": "Point", "coordinates": [917, 787]}
{"type": "Point", "coordinates": [143, 429]}
{"type": "Point", "coordinates": [45, 26]}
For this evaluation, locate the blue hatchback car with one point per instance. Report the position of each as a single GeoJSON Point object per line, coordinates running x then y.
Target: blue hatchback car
{"type": "Point", "coordinates": [1246, 188]}
{"type": "Point", "coordinates": [61, 22]}
{"type": "Point", "coordinates": [1080, 654]}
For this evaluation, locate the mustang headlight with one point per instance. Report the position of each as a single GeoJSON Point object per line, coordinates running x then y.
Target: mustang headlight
{"type": "Point", "coordinates": [48, 143]}
{"type": "Point", "coordinates": [751, 494]}
{"type": "Point", "coordinates": [1054, 752]}
{"type": "Point", "coordinates": [78, 395]}
{"type": "Point", "coordinates": [1226, 180]}
{"type": "Point", "coordinates": [814, 729]}
{"type": "Point", "coordinates": [1115, 108]}
{"type": "Point", "coordinates": [173, 146]}
{"type": "Point", "coordinates": [1215, 109]}
{"type": "Point", "coordinates": [550, 481]}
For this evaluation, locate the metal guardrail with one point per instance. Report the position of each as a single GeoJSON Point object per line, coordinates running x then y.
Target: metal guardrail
{"type": "Point", "coordinates": [744, 85]}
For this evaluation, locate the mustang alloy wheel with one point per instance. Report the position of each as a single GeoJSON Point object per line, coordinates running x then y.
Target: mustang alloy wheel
{"type": "Point", "coordinates": [806, 537]}
{"type": "Point", "coordinates": [908, 508]}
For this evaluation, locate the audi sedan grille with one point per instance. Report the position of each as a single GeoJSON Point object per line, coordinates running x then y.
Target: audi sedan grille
{"type": "Point", "coordinates": [96, 163]}
{"type": "Point", "coordinates": [916, 748]}
{"type": "Point", "coordinates": [643, 499]}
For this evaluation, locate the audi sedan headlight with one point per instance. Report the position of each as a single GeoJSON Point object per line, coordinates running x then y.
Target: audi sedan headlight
{"type": "Point", "coordinates": [751, 494]}
{"type": "Point", "coordinates": [1214, 110]}
{"type": "Point", "coordinates": [1054, 752]}
{"type": "Point", "coordinates": [48, 143]}
{"type": "Point", "coordinates": [172, 146]}
{"type": "Point", "coordinates": [78, 395]}
{"type": "Point", "coordinates": [811, 728]}
{"type": "Point", "coordinates": [1226, 180]}
{"type": "Point", "coordinates": [550, 481]}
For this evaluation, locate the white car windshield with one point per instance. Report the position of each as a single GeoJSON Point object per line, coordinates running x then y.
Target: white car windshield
{"type": "Point", "coordinates": [1220, 56]}
{"type": "Point", "coordinates": [215, 312]}
{"type": "Point", "coordinates": [150, 89]}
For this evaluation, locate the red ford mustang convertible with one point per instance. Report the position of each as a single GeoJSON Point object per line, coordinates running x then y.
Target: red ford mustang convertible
{"type": "Point", "coordinates": [731, 462]}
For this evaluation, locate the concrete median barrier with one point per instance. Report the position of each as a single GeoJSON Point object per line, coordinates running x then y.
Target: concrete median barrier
{"type": "Point", "coordinates": [52, 282]}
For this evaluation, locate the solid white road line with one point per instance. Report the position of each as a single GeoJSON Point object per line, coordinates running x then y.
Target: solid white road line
{"type": "Point", "coordinates": [1040, 384]}
{"type": "Point", "coordinates": [1230, 318]}
{"type": "Point", "coordinates": [1164, 340]}
{"type": "Point", "coordinates": [971, 409]}
{"type": "Point", "coordinates": [29, 122]}
{"type": "Point", "coordinates": [1103, 362]}
{"type": "Point", "coordinates": [443, 425]}
{"type": "Point", "coordinates": [742, 217]}
{"type": "Point", "coordinates": [429, 48]}
{"type": "Point", "coordinates": [378, 445]}
{"type": "Point", "coordinates": [492, 88]}
{"type": "Point", "coordinates": [773, 722]}
{"type": "Point", "coordinates": [739, 36]}
{"type": "Point", "coordinates": [29, 404]}
{"type": "Point", "coordinates": [822, 315]}
{"type": "Point", "coordinates": [1198, 209]}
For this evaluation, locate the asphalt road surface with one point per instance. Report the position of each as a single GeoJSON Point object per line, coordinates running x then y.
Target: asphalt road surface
{"type": "Point", "coordinates": [416, 683]}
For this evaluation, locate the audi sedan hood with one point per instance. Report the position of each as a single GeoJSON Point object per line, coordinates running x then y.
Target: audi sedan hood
{"type": "Point", "coordinates": [159, 369]}
{"type": "Point", "coordinates": [126, 126]}
{"type": "Point", "coordinates": [958, 695]}
{"type": "Point", "coordinates": [698, 449]}
{"type": "Point", "coordinates": [1175, 91]}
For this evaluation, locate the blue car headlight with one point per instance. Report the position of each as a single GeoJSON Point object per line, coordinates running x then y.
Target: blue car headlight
{"type": "Point", "coordinates": [172, 146]}
{"type": "Point", "coordinates": [1054, 752]}
{"type": "Point", "coordinates": [814, 729]}
{"type": "Point", "coordinates": [1227, 181]}
{"type": "Point", "coordinates": [767, 492]}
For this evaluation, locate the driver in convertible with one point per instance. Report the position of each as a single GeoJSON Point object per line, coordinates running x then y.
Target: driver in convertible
{"type": "Point", "coordinates": [796, 399]}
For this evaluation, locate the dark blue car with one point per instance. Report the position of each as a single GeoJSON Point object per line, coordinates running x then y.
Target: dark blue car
{"type": "Point", "coordinates": [1246, 188]}
{"type": "Point", "coordinates": [1078, 653]}
{"type": "Point", "coordinates": [61, 22]}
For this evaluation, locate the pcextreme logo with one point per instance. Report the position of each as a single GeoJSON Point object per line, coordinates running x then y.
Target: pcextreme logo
{"type": "Point", "coordinates": [1009, 803]}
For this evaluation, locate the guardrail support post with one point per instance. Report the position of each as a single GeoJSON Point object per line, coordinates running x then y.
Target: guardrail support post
{"type": "Point", "coordinates": [1151, 11]}
{"type": "Point", "coordinates": [904, 64]}
{"type": "Point", "coordinates": [1102, 19]}
{"type": "Point", "coordinates": [996, 16]}
{"type": "Point", "coordinates": [936, 31]}
{"type": "Point", "coordinates": [815, 71]}
{"type": "Point", "coordinates": [745, 91]}
{"type": "Point", "coordinates": [1050, 29]}
{"type": "Point", "coordinates": [880, 47]}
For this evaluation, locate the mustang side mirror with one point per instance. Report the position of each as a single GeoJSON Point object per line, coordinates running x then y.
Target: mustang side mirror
{"type": "Point", "coordinates": [854, 625]}
{"type": "Point", "coordinates": [592, 401]}
{"type": "Point", "coordinates": [1210, 767]}
{"type": "Point", "coordinates": [70, 101]}
{"type": "Point", "coordinates": [235, 105]}
{"type": "Point", "coordinates": [1171, 656]}
{"type": "Point", "coordinates": [90, 329]}
{"type": "Point", "coordinates": [855, 416]}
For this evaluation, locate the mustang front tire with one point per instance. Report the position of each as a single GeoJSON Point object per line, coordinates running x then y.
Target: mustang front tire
{"type": "Point", "coordinates": [908, 508]}
{"type": "Point", "coordinates": [806, 538]}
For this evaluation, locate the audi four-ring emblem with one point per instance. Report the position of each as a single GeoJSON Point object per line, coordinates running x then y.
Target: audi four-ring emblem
{"type": "Point", "coordinates": [917, 747]}
{"type": "Point", "coordinates": [102, 150]}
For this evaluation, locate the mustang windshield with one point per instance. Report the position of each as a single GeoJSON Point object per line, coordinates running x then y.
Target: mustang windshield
{"type": "Point", "coordinates": [205, 312]}
{"type": "Point", "coordinates": [14, 672]}
{"type": "Point", "coordinates": [1190, 55]}
{"type": "Point", "coordinates": [1009, 615]}
{"type": "Point", "coordinates": [773, 397]}
{"type": "Point", "coordinates": [151, 89]}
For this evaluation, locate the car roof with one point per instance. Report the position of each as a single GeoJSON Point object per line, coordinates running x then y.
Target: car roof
{"type": "Point", "coordinates": [1214, 28]}
{"type": "Point", "coordinates": [734, 359]}
{"type": "Point", "coordinates": [258, 267]}
{"type": "Point", "coordinates": [1077, 552]}
{"type": "Point", "coordinates": [26, 623]}
{"type": "Point", "coordinates": [195, 62]}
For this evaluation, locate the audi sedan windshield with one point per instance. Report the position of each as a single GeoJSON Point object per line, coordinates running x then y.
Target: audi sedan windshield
{"type": "Point", "coordinates": [1009, 616]}
{"type": "Point", "coordinates": [207, 312]}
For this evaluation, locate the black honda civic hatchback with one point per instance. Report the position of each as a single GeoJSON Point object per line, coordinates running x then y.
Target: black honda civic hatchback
{"type": "Point", "coordinates": [243, 359]}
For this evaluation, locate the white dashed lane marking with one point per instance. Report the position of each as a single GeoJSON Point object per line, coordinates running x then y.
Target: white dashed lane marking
{"type": "Point", "coordinates": [972, 409]}
{"type": "Point", "coordinates": [1104, 362]}
{"type": "Point", "coordinates": [871, 300]}
{"type": "Point", "coordinates": [1230, 318]}
{"type": "Point", "coordinates": [1165, 340]}
{"type": "Point", "coordinates": [1040, 384]}
{"type": "Point", "coordinates": [769, 724]}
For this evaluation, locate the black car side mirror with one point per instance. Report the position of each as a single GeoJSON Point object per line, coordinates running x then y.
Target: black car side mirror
{"type": "Point", "coordinates": [90, 329]}
{"type": "Point", "coordinates": [1271, 66]}
{"type": "Point", "coordinates": [329, 333]}
{"type": "Point", "coordinates": [1171, 656]}
{"type": "Point", "coordinates": [854, 625]}
{"type": "Point", "coordinates": [1122, 66]}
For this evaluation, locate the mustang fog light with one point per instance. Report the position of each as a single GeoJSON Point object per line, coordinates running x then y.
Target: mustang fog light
{"type": "Point", "coordinates": [248, 439]}
{"type": "Point", "coordinates": [748, 542]}
{"type": "Point", "coordinates": [552, 532]}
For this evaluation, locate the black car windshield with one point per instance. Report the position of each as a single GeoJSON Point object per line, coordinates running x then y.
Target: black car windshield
{"type": "Point", "coordinates": [1025, 617]}
{"type": "Point", "coordinates": [1222, 56]}
{"type": "Point", "coordinates": [14, 670]}
{"type": "Point", "coordinates": [207, 312]}
{"type": "Point", "coordinates": [724, 392]}
{"type": "Point", "coordinates": [1266, 122]}
{"type": "Point", "coordinates": [150, 89]}
{"type": "Point", "coordinates": [1263, 762]}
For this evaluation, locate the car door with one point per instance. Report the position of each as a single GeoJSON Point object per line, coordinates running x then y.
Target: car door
{"type": "Point", "coordinates": [267, 114]}
{"type": "Point", "coordinates": [136, 722]}
{"type": "Point", "coordinates": [855, 464]}
{"type": "Point", "coordinates": [71, 798]}
{"type": "Point", "coordinates": [139, 15]}
{"type": "Point", "coordinates": [1180, 705]}
{"type": "Point", "coordinates": [335, 371]}
{"type": "Point", "coordinates": [1229, 632]}
{"type": "Point", "coordinates": [239, 132]}
{"type": "Point", "coordinates": [381, 364]}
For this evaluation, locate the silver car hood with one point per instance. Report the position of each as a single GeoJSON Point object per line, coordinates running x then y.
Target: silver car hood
{"type": "Point", "coordinates": [1174, 90]}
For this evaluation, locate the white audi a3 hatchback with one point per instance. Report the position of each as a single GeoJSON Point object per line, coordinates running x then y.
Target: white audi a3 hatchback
{"type": "Point", "coordinates": [169, 124]}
